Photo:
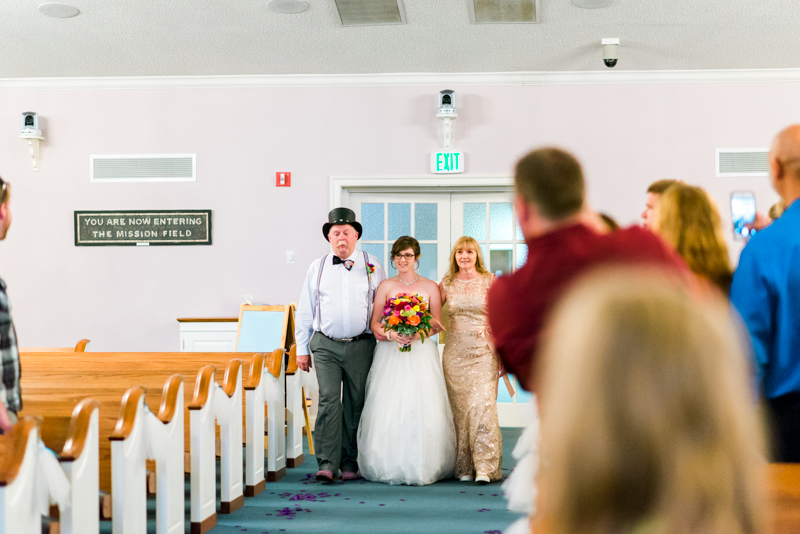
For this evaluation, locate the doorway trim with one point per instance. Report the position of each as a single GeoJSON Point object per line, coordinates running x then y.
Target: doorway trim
{"type": "Point", "coordinates": [342, 186]}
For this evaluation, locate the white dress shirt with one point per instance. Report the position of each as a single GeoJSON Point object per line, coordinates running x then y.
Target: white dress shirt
{"type": "Point", "coordinates": [339, 302]}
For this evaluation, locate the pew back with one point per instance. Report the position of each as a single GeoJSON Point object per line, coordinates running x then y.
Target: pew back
{"type": "Point", "coordinates": [54, 382]}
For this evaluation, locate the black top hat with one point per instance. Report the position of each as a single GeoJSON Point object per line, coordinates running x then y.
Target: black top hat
{"type": "Point", "coordinates": [341, 216]}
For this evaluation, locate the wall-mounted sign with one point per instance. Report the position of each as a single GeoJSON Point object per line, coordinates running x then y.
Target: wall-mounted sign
{"type": "Point", "coordinates": [447, 162]}
{"type": "Point", "coordinates": [131, 228]}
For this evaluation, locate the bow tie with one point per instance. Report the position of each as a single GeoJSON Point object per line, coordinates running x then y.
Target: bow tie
{"type": "Point", "coordinates": [348, 264]}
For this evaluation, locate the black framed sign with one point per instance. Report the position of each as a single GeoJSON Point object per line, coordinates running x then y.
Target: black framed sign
{"type": "Point", "coordinates": [132, 228]}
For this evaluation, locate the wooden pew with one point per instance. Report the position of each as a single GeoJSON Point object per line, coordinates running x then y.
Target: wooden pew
{"type": "Point", "coordinates": [80, 461]}
{"type": "Point", "coordinates": [265, 387]}
{"type": "Point", "coordinates": [18, 450]}
{"type": "Point", "coordinates": [21, 453]}
{"type": "Point", "coordinates": [53, 382]}
{"type": "Point", "coordinates": [141, 435]}
{"type": "Point", "coordinates": [79, 347]}
{"type": "Point", "coordinates": [297, 416]}
{"type": "Point", "coordinates": [224, 405]}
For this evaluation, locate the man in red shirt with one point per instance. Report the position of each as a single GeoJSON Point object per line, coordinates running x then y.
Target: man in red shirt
{"type": "Point", "coordinates": [562, 245]}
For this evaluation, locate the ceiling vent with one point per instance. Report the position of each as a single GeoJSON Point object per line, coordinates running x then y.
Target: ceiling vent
{"type": "Point", "coordinates": [143, 168]}
{"type": "Point", "coordinates": [368, 12]}
{"type": "Point", "coordinates": [742, 162]}
{"type": "Point", "coordinates": [504, 11]}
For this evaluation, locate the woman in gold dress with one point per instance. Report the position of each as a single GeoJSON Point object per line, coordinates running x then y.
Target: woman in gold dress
{"type": "Point", "coordinates": [470, 366]}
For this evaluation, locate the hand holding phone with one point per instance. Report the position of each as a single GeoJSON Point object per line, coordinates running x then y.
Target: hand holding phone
{"type": "Point", "coordinates": [743, 213]}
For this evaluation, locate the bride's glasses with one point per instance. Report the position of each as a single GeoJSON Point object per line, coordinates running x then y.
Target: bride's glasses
{"type": "Point", "coordinates": [407, 257]}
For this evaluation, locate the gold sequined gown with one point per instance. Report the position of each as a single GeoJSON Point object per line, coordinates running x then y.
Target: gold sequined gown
{"type": "Point", "coordinates": [470, 372]}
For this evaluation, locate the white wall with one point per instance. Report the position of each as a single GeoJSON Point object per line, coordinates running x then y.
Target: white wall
{"type": "Point", "coordinates": [128, 298]}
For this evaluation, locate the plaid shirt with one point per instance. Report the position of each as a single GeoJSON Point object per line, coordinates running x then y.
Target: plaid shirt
{"type": "Point", "coordinates": [10, 393]}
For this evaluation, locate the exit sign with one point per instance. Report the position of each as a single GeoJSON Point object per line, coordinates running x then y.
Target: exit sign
{"type": "Point", "coordinates": [447, 162]}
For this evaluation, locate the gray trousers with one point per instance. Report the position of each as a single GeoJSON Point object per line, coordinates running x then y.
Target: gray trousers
{"type": "Point", "coordinates": [342, 370]}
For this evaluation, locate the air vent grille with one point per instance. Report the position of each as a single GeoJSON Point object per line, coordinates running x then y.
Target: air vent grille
{"type": "Point", "coordinates": [504, 11]}
{"type": "Point", "coordinates": [365, 12]}
{"type": "Point", "coordinates": [742, 162]}
{"type": "Point", "coordinates": [143, 168]}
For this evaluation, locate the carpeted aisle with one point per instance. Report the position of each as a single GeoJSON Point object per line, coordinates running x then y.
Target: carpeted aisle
{"type": "Point", "coordinates": [298, 504]}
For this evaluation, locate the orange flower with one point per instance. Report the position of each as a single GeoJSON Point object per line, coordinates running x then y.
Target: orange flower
{"type": "Point", "coordinates": [393, 320]}
{"type": "Point", "coordinates": [413, 320]}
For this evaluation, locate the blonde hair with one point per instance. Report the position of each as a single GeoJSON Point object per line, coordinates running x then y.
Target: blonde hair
{"type": "Point", "coordinates": [464, 242]}
{"type": "Point", "coordinates": [776, 210]}
{"type": "Point", "coordinates": [688, 219]}
{"type": "Point", "coordinates": [647, 422]}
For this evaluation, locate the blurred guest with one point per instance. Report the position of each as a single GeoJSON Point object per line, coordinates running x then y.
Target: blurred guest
{"type": "Point", "coordinates": [10, 394]}
{"type": "Point", "coordinates": [766, 291]}
{"type": "Point", "coordinates": [562, 244]}
{"type": "Point", "coordinates": [688, 220]}
{"type": "Point", "coordinates": [470, 366]}
{"type": "Point", "coordinates": [647, 425]}
{"type": "Point", "coordinates": [654, 193]}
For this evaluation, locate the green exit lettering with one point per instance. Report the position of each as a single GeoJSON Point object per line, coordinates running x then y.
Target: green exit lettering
{"type": "Point", "coordinates": [447, 162]}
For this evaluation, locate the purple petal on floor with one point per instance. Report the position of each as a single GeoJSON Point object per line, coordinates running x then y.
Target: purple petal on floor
{"type": "Point", "coordinates": [463, 492]}
{"type": "Point", "coordinates": [347, 498]}
{"type": "Point", "coordinates": [381, 505]}
{"type": "Point", "coordinates": [494, 495]}
{"type": "Point", "coordinates": [362, 502]}
{"type": "Point", "coordinates": [402, 499]}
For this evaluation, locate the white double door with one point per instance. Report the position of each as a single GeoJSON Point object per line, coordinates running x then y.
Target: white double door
{"type": "Point", "coordinates": [437, 220]}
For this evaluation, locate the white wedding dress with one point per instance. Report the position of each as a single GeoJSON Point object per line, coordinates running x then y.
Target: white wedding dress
{"type": "Point", "coordinates": [406, 434]}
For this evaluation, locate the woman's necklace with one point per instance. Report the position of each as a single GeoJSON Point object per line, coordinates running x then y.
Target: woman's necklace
{"type": "Point", "coordinates": [407, 283]}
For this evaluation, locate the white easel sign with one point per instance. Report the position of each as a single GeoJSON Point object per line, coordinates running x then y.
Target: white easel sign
{"type": "Point", "coordinates": [447, 162]}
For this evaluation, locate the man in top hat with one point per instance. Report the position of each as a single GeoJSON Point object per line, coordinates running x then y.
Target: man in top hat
{"type": "Point", "coordinates": [332, 323]}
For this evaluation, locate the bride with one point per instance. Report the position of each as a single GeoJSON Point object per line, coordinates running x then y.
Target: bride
{"type": "Point", "coordinates": [406, 434]}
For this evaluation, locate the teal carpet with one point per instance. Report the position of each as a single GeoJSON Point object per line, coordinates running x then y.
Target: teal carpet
{"type": "Point", "coordinates": [298, 504]}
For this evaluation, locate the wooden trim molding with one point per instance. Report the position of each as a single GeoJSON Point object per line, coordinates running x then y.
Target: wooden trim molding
{"type": "Point", "coordinates": [81, 345]}
{"type": "Point", "coordinates": [202, 387]}
{"type": "Point", "coordinates": [256, 370]}
{"type": "Point", "coordinates": [291, 367]}
{"type": "Point", "coordinates": [205, 525]}
{"type": "Point", "coordinates": [232, 506]}
{"type": "Point", "coordinates": [231, 376]}
{"type": "Point", "coordinates": [208, 320]}
{"type": "Point", "coordinates": [169, 398]}
{"type": "Point", "coordinates": [78, 430]}
{"type": "Point", "coordinates": [275, 363]}
{"type": "Point", "coordinates": [13, 447]}
{"type": "Point", "coordinates": [127, 413]}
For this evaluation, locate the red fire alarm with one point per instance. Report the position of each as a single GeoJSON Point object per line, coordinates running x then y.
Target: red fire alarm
{"type": "Point", "coordinates": [283, 179]}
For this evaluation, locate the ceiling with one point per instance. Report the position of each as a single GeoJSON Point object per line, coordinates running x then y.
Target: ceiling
{"type": "Point", "coordinates": [243, 37]}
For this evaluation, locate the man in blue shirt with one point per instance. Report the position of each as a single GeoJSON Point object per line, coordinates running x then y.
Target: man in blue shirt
{"type": "Point", "coordinates": [766, 291]}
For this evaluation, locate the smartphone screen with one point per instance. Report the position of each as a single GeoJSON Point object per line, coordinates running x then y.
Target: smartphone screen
{"type": "Point", "coordinates": [743, 211]}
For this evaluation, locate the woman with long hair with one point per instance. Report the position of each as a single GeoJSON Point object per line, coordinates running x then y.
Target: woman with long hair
{"type": "Point", "coordinates": [688, 220]}
{"type": "Point", "coordinates": [470, 366]}
{"type": "Point", "coordinates": [647, 421]}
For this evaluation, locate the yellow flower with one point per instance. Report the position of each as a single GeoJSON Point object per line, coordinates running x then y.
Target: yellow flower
{"type": "Point", "coordinates": [415, 308]}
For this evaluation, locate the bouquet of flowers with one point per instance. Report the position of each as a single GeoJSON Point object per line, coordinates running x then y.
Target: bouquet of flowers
{"type": "Point", "coordinates": [407, 314]}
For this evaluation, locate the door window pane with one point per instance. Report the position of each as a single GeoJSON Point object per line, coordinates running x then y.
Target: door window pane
{"type": "Point", "coordinates": [485, 255]}
{"type": "Point", "coordinates": [428, 261]}
{"type": "Point", "coordinates": [377, 250]}
{"type": "Point", "coordinates": [501, 221]}
{"type": "Point", "coordinates": [372, 221]}
{"type": "Point", "coordinates": [502, 390]}
{"type": "Point", "coordinates": [399, 220]}
{"type": "Point", "coordinates": [520, 237]}
{"type": "Point", "coordinates": [522, 255]}
{"type": "Point", "coordinates": [500, 258]}
{"type": "Point", "coordinates": [475, 220]}
{"type": "Point", "coordinates": [523, 396]}
{"type": "Point", "coordinates": [426, 221]}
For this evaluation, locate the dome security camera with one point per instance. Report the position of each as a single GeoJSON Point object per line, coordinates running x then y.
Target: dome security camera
{"type": "Point", "coordinates": [610, 52]}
